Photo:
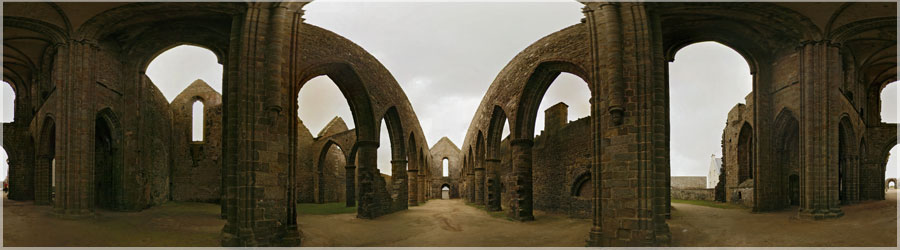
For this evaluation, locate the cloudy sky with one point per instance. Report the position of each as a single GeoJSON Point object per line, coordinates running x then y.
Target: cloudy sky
{"type": "Point", "coordinates": [445, 55]}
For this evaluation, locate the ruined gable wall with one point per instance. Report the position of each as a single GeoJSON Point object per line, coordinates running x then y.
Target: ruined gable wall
{"type": "Point", "coordinates": [196, 165]}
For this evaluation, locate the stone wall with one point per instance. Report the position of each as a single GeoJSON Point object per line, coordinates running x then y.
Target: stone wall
{"type": "Point", "coordinates": [697, 194]}
{"type": "Point", "coordinates": [444, 148]}
{"type": "Point", "coordinates": [305, 170]}
{"type": "Point", "coordinates": [684, 182]}
{"type": "Point", "coordinates": [151, 185]}
{"type": "Point", "coordinates": [196, 165]}
{"type": "Point", "coordinates": [561, 165]}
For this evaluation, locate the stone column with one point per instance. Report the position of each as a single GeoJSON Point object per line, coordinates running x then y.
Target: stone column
{"type": "Point", "coordinates": [399, 185]}
{"type": "Point", "coordinates": [470, 187]}
{"type": "Point", "coordinates": [422, 187]}
{"type": "Point", "coordinates": [819, 73]}
{"type": "Point", "coordinates": [630, 128]}
{"type": "Point", "coordinates": [521, 209]}
{"type": "Point", "coordinates": [261, 209]}
{"type": "Point", "coordinates": [479, 185]}
{"type": "Point", "coordinates": [318, 182]}
{"type": "Point", "coordinates": [75, 80]}
{"type": "Point", "coordinates": [350, 182]}
{"type": "Point", "coordinates": [413, 187]}
{"type": "Point", "coordinates": [492, 203]}
{"type": "Point", "coordinates": [21, 158]}
{"type": "Point", "coordinates": [367, 208]}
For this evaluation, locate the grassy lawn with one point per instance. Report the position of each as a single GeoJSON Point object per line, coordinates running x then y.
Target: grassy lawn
{"type": "Point", "coordinates": [327, 208]}
{"type": "Point", "coordinates": [709, 204]}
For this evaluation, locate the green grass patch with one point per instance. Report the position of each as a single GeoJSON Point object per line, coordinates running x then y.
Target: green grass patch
{"type": "Point", "coordinates": [709, 204]}
{"type": "Point", "coordinates": [327, 208]}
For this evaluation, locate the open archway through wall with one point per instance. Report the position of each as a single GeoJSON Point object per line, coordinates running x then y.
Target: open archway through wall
{"type": "Point", "coordinates": [174, 69]}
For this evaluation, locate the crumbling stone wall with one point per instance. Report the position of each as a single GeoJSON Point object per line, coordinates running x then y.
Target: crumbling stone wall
{"type": "Point", "coordinates": [561, 160]}
{"type": "Point", "coordinates": [196, 165]}
{"type": "Point", "coordinates": [305, 170]}
{"type": "Point", "coordinates": [697, 194]}
{"type": "Point", "coordinates": [688, 182]}
{"type": "Point", "coordinates": [151, 185]}
{"type": "Point", "coordinates": [444, 148]}
{"type": "Point", "coordinates": [739, 116]}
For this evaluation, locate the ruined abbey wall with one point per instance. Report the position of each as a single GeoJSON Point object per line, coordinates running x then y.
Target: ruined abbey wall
{"type": "Point", "coordinates": [197, 165]}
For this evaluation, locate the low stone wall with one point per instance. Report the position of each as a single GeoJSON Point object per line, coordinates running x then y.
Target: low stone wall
{"type": "Point", "coordinates": [699, 194]}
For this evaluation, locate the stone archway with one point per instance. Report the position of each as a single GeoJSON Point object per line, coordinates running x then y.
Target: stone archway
{"type": "Point", "coordinates": [44, 173]}
{"type": "Point", "coordinates": [890, 183]}
{"type": "Point", "coordinates": [108, 168]}
{"type": "Point", "coordinates": [445, 191]}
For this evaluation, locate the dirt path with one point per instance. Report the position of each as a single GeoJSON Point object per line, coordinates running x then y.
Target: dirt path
{"type": "Point", "coordinates": [872, 223]}
{"type": "Point", "coordinates": [449, 223]}
{"type": "Point", "coordinates": [442, 223]}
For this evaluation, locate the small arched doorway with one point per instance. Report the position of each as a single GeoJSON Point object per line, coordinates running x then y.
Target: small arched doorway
{"type": "Point", "coordinates": [107, 173]}
{"type": "Point", "coordinates": [794, 187]}
{"type": "Point", "coordinates": [445, 191]}
{"type": "Point", "coordinates": [891, 184]}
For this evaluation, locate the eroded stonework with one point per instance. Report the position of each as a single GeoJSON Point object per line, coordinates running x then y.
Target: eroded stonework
{"type": "Point", "coordinates": [810, 135]}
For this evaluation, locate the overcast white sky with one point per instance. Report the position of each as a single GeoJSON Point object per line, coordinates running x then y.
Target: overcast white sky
{"type": "Point", "coordinates": [445, 56]}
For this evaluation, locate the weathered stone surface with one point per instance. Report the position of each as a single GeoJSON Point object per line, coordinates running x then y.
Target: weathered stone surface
{"type": "Point", "coordinates": [810, 133]}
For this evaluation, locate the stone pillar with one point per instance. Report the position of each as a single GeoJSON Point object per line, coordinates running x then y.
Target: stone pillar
{"type": "Point", "coordinates": [399, 185]}
{"type": "Point", "coordinates": [75, 80]}
{"type": "Point", "coordinates": [470, 187]}
{"type": "Point", "coordinates": [261, 209]}
{"type": "Point", "coordinates": [493, 201]}
{"type": "Point", "coordinates": [318, 182]}
{"type": "Point", "coordinates": [350, 182]}
{"type": "Point", "coordinates": [819, 73]}
{"type": "Point", "coordinates": [630, 127]}
{"type": "Point", "coordinates": [367, 208]}
{"type": "Point", "coordinates": [413, 187]}
{"type": "Point", "coordinates": [479, 185]}
{"type": "Point", "coordinates": [21, 157]}
{"type": "Point", "coordinates": [521, 209]}
{"type": "Point", "coordinates": [421, 188]}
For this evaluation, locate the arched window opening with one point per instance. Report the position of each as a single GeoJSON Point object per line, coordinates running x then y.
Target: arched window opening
{"type": "Point", "coordinates": [319, 101]}
{"type": "Point", "coordinates": [197, 121]}
{"type": "Point", "coordinates": [175, 69]}
{"type": "Point", "coordinates": [567, 99]}
{"type": "Point", "coordinates": [745, 154]}
{"type": "Point", "coordinates": [384, 151]}
{"type": "Point", "coordinates": [445, 167]}
{"type": "Point", "coordinates": [505, 130]}
{"type": "Point", "coordinates": [889, 103]}
{"type": "Point", "coordinates": [892, 163]}
{"type": "Point", "coordinates": [106, 178]}
{"type": "Point", "coordinates": [794, 190]}
{"type": "Point", "coordinates": [9, 101]}
{"type": "Point", "coordinates": [4, 166]}
{"type": "Point", "coordinates": [707, 81]}
{"type": "Point", "coordinates": [445, 192]}
{"type": "Point", "coordinates": [330, 183]}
